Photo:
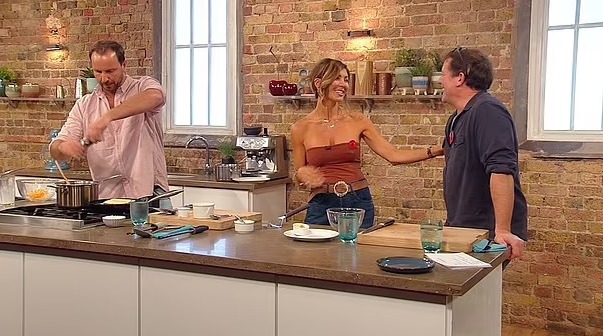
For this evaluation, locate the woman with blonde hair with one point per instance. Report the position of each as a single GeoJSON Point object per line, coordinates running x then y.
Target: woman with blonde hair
{"type": "Point", "coordinates": [326, 148]}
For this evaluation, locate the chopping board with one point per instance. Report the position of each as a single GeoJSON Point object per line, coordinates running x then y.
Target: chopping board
{"type": "Point", "coordinates": [409, 236]}
{"type": "Point", "coordinates": [225, 222]}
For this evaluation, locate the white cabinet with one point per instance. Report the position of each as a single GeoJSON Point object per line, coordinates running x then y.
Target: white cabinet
{"type": "Point", "coordinates": [178, 200]}
{"type": "Point", "coordinates": [11, 293]}
{"type": "Point", "coordinates": [199, 304]}
{"type": "Point", "coordinates": [352, 314]}
{"type": "Point", "coordinates": [74, 297]}
{"type": "Point", "coordinates": [270, 201]}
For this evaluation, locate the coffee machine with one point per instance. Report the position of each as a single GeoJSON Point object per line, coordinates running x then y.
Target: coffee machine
{"type": "Point", "coordinates": [264, 156]}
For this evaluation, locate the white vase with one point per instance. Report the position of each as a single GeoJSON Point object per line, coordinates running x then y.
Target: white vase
{"type": "Point", "coordinates": [91, 83]}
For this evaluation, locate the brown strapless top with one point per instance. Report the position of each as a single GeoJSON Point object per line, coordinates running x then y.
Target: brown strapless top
{"type": "Point", "coordinates": [339, 162]}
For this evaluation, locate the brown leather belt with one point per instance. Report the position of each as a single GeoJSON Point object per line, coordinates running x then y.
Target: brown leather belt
{"type": "Point", "coordinates": [340, 188]}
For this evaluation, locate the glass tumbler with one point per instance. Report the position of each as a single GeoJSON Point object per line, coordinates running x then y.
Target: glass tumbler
{"type": "Point", "coordinates": [139, 213]}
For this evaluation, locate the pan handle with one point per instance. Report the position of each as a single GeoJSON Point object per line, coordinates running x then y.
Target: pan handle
{"type": "Point", "coordinates": [167, 194]}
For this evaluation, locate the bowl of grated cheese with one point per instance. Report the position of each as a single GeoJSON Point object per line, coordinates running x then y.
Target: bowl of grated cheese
{"type": "Point", "coordinates": [37, 190]}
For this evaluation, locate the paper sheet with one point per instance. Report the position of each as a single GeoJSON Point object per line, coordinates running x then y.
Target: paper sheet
{"type": "Point", "coordinates": [457, 260]}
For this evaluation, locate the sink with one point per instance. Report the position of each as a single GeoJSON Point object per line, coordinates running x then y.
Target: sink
{"type": "Point", "coordinates": [179, 175]}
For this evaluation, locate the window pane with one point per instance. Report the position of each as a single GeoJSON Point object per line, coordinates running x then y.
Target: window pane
{"type": "Point", "coordinates": [181, 93]}
{"type": "Point", "coordinates": [589, 87]}
{"type": "Point", "coordinates": [201, 76]}
{"type": "Point", "coordinates": [558, 88]}
{"type": "Point", "coordinates": [591, 11]}
{"type": "Point", "coordinates": [217, 88]}
{"type": "Point", "coordinates": [562, 12]}
{"type": "Point", "coordinates": [182, 22]}
{"type": "Point", "coordinates": [218, 21]}
{"type": "Point", "coordinates": [201, 23]}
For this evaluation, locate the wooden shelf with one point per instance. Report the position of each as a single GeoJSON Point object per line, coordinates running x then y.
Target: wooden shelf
{"type": "Point", "coordinates": [14, 102]}
{"type": "Point", "coordinates": [366, 101]}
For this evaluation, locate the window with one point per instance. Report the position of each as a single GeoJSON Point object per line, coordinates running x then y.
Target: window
{"type": "Point", "coordinates": [201, 62]}
{"type": "Point", "coordinates": [565, 92]}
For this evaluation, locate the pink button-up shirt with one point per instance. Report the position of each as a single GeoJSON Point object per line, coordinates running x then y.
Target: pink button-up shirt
{"type": "Point", "coordinates": [132, 147]}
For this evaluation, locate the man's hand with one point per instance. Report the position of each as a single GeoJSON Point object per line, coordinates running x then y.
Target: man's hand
{"type": "Point", "coordinates": [95, 130]}
{"type": "Point", "coordinates": [310, 177]}
{"type": "Point", "coordinates": [507, 238]}
{"type": "Point", "coordinates": [71, 148]}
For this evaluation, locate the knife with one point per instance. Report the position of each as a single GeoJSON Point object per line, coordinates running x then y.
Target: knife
{"type": "Point", "coordinates": [379, 226]}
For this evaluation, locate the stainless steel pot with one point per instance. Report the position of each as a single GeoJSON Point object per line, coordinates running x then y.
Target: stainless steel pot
{"type": "Point", "coordinates": [77, 194]}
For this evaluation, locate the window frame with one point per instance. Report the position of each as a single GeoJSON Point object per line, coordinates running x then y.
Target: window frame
{"type": "Point", "coordinates": [234, 74]}
{"type": "Point", "coordinates": [570, 148]}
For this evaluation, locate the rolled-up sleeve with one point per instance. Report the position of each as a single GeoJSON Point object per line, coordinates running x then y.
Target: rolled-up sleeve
{"type": "Point", "coordinates": [496, 134]}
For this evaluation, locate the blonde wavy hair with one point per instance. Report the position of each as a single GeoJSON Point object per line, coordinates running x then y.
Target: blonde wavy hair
{"type": "Point", "coordinates": [327, 70]}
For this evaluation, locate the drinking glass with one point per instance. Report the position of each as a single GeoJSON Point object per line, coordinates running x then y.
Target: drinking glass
{"type": "Point", "coordinates": [139, 212]}
{"type": "Point", "coordinates": [7, 190]}
{"type": "Point", "coordinates": [432, 232]}
{"type": "Point", "coordinates": [346, 221]}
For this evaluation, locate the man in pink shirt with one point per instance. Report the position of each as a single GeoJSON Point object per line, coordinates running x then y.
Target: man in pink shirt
{"type": "Point", "coordinates": [117, 128]}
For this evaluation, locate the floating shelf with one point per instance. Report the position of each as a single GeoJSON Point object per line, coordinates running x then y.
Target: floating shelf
{"type": "Point", "coordinates": [14, 102]}
{"type": "Point", "coordinates": [366, 101]}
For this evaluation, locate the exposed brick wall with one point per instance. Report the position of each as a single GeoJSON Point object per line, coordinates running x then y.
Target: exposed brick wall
{"type": "Point", "coordinates": [556, 286]}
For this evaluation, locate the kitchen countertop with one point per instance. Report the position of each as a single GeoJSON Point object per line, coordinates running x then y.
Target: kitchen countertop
{"type": "Point", "coordinates": [198, 181]}
{"type": "Point", "coordinates": [264, 254]}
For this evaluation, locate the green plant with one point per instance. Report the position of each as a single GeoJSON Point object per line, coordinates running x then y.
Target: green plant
{"type": "Point", "coordinates": [7, 75]}
{"type": "Point", "coordinates": [87, 72]}
{"type": "Point", "coordinates": [424, 68]}
{"type": "Point", "coordinates": [227, 149]}
{"type": "Point", "coordinates": [409, 57]}
{"type": "Point", "coordinates": [437, 61]}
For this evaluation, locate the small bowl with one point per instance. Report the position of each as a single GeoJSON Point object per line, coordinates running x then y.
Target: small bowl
{"type": "Point", "coordinates": [301, 229]}
{"type": "Point", "coordinates": [184, 212]}
{"type": "Point", "coordinates": [114, 221]}
{"type": "Point", "coordinates": [252, 130]}
{"type": "Point", "coordinates": [245, 226]}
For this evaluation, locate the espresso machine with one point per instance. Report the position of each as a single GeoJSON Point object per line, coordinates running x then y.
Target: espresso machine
{"type": "Point", "coordinates": [264, 156]}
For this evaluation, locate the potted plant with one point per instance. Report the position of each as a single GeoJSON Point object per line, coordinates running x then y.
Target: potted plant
{"type": "Point", "coordinates": [438, 63]}
{"type": "Point", "coordinates": [228, 151]}
{"type": "Point", "coordinates": [406, 59]}
{"type": "Point", "coordinates": [91, 82]}
{"type": "Point", "coordinates": [420, 76]}
{"type": "Point", "coordinates": [6, 77]}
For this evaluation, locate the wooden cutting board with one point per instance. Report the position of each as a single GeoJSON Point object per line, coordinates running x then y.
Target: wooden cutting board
{"type": "Point", "coordinates": [225, 222]}
{"type": "Point", "coordinates": [409, 236]}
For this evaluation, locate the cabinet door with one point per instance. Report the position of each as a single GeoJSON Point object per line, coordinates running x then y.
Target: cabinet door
{"type": "Point", "coordinates": [11, 292]}
{"type": "Point", "coordinates": [225, 199]}
{"type": "Point", "coordinates": [200, 304]}
{"type": "Point", "coordinates": [352, 314]}
{"type": "Point", "coordinates": [74, 297]}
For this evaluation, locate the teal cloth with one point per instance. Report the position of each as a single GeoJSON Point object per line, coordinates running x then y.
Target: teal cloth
{"type": "Point", "coordinates": [486, 245]}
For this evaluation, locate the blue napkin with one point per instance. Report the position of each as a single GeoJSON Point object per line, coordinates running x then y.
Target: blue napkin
{"type": "Point", "coordinates": [486, 245]}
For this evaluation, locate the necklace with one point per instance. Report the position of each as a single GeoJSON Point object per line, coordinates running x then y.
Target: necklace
{"type": "Point", "coordinates": [325, 122]}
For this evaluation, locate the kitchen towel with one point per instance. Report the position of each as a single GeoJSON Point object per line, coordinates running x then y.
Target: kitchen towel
{"type": "Point", "coordinates": [486, 245]}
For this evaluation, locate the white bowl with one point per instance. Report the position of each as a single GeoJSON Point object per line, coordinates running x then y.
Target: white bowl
{"type": "Point", "coordinates": [114, 221]}
{"type": "Point", "coordinates": [301, 229]}
{"type": "Point", "coordinates": [245, 226]}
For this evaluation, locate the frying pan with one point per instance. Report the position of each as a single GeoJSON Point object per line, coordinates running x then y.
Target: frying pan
{"type": "Point", "coordinates": [124, 209]}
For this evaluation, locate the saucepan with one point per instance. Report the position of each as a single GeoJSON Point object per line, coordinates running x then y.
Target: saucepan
{"type": "Point", "coordinates": [77, 194]}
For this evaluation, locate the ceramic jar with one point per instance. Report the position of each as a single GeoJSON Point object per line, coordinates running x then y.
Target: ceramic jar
{"type": "Point", "coordinates": [12, 91]}
{"type": "Point", "coordinates": [30, 90]}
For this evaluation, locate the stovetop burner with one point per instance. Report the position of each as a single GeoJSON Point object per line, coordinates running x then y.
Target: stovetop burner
{"type": "Point", "coordinates": [50, 215]}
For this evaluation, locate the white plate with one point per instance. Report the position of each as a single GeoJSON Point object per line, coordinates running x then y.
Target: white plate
{"type": "Point", "coordinates": [251, 179]}
{"type": "Point", "coordinates": [315, 235]}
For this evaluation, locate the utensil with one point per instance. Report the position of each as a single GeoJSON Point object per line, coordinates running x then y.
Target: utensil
{"type": "Point", "coordinates": [165, 195]}
{"type": "Point", "coordinates": [183, 230]}
{"type": "Point", "coordinates": [378, 226]}
{"type": "Point", "coordinates": [10, 171]}
{"type": "Point", "coordinates": [58, 165]}
{"type": "Point", "coordinates": [282, 219]}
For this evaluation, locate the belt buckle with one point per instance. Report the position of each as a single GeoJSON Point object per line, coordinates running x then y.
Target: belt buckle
{"type": "Point", "coordinates": [338, 185]}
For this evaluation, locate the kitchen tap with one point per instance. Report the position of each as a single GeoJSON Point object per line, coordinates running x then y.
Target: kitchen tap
{"type": "Point", "coordinates": [208, 169]}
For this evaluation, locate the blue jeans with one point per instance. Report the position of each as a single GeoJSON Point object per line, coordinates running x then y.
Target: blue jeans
{"type": "Point", "coordinates": [317, 212]}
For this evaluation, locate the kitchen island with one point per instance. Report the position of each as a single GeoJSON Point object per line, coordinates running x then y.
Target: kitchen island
{"type": "Point", "coordinates": [103, 281]}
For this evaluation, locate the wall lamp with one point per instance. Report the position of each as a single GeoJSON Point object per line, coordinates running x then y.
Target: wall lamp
{"type": "Point", "coordinates": [55, 47]}
{"type": "Point", "coordinates": [360, 33]}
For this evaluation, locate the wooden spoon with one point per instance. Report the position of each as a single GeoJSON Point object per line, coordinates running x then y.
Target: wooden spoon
{"type": "Point", "coordinates": [61, 171]}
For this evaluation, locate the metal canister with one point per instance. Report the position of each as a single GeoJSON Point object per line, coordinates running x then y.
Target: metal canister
{"type": "Point", "coordinates": [384, 83]}
{"type": "Point", "coordinates": [59, 91]}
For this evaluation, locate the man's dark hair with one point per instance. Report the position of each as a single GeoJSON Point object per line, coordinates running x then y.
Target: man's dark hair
{"type": "Point", "coordinates": [476, 66]}
{"type": "Point", "coordinates": [102, 47]}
